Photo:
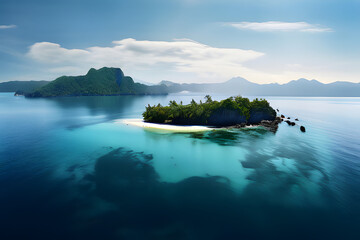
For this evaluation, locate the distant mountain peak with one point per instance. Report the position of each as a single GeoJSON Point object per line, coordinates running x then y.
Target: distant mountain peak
{"type": "Point", "coordinates": [237, 79]}
{"type": "Point", "coordinates": [304, 81]}
{"type": "Point", "coordinates": [91, 70]}
{"type": "Point", "coordinates": [166, 83]}
{"type": "Point", "coordinates": [103, 69]}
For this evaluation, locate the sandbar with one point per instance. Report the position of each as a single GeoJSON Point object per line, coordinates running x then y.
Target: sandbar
{"type": "Point", "coordinates": [166, 127]}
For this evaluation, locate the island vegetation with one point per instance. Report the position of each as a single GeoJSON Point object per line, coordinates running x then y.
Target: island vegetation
{"type": "Point", "coordinates": [101, 82]}
{"type": "Point", "coordinates": [227, 112]}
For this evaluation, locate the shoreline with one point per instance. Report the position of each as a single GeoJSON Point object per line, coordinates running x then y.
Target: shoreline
{"type": "Point", "coordinates": [138, 122]}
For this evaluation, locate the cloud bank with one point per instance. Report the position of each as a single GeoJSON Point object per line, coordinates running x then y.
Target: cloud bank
{"type": "Point", "coordinates": [272, 26]}
{"type": "Point", "coordinates": [7, 26]}
{"type": "Point", "coordinates": [180, 60]}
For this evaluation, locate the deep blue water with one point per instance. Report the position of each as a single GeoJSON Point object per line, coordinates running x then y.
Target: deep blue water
{"type": "Point", "coordinates": [68, 170]}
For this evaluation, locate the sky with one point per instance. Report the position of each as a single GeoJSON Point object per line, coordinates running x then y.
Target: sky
{"type": "Point", "coordinates": [182, 40]}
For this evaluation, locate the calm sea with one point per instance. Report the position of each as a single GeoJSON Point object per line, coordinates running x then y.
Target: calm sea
{"type": "Point", "coordinates": [69, 171]}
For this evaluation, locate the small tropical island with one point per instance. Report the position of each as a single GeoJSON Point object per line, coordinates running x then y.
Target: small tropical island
{"type": "Point", "coordinates": [233, 111]}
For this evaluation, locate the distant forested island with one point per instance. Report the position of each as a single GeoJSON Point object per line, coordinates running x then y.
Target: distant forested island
{"type": "Point", "coordinates": [101, 82]}
{"type": "Point", "coordinates": [228, 112]}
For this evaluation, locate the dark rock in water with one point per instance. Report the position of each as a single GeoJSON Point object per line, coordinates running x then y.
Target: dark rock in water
{"type": "Point", "coordinates": [288, 118]}
{"type": "Point", "coordinates": [296, 119]}
{"type": "Point", "coordinates": [302, 128]}
{"type": "Point", "coordinates": [277, 110]}
{"type": "Point", "coordinates": [282, 116]}
{"type": "Point", "coordinates": [290, 123]}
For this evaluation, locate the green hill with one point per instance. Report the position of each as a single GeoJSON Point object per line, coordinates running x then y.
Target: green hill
{"type": "Point", "coordinates": [102, 82]}
{"type": "Point", "coordinates": [22, 86]}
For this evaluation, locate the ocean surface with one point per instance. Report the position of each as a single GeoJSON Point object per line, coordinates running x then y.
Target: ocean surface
{"type": "Point", "coordinates": [69, 170]}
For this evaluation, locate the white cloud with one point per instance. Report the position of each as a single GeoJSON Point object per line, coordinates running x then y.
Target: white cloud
{"type": "Point", "coordinates": [280, 26]}
{"type": "Point", "coordinates": [7, 26]}
{"type": "Point", "coordinates": [179, 60]}
{"type": "Point", "coordinates": [52, 53]}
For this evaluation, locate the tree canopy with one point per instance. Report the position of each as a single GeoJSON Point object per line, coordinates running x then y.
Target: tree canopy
{"type": "Point", "coordinates": [233, 110]}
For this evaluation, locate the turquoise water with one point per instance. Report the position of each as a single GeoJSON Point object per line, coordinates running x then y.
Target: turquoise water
{"type": "Point", "coordinates": [69, 170]}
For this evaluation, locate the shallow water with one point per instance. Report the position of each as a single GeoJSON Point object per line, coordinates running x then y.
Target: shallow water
{"type": "Point", "coordinates": [68, 170]}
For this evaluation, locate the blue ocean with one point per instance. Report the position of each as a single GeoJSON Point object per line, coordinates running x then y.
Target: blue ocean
{"type": "Point", "coordinates": [70, 170]}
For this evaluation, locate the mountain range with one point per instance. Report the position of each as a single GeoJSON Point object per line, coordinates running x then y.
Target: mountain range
{"type": "Point", "coordinates": [300, 87]}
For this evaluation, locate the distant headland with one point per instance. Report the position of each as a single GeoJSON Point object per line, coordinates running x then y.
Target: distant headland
{"type": "Point", "coordinates": [21, 87]}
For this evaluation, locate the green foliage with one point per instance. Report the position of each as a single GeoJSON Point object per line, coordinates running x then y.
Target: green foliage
{"type": "Point", "coordinates": [105, 81]}
{"type": "Point", "coordinates": [208, 99]}
{"type": "Point", "coordinates": [200, 113]}
{"type": "Point", "coordinates": [261, 105]}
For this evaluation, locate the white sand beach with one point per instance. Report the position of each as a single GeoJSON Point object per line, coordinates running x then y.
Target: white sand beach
{"type": "Point", "coordinates": [166, 127]}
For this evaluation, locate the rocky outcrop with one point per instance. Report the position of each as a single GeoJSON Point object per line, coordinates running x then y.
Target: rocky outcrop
{"type": "Point", "coordinates": [271, 125]}
{"type": "Point", "coordinates": [226, 117]}
{"type": "Point", "coordinates": [258, 115]}
{"type": "Point", "coordinates": [302, 128]}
